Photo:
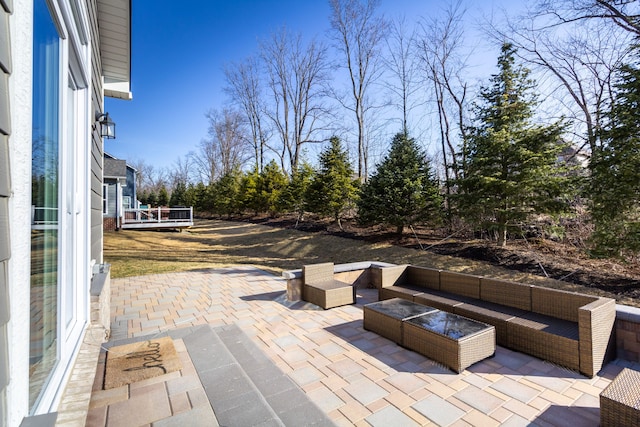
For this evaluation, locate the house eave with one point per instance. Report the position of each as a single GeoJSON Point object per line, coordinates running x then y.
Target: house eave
{"type": "Point", "coordinates": [114, 26]}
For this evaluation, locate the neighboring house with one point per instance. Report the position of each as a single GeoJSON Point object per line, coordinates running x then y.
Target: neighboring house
{"type": "Point", "coordinates": [119, 191]}
{"type": "Point", "coordinates": [58, 59]}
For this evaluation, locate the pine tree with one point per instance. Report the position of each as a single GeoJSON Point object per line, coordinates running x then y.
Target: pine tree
{"type": "Point", "coordinates": [249, 192]}
{"type": "Point", "coordinates": [226, 192]}
{"type": "Point", "coordinates": [512, 169]}
{"type": "Point", "coordinates": [178, 194]}
{"type": "Point", "coordinates": [152, 199]}
{"type": "Point", "coordinates": [615, 181]}
{"type": "Point", "coordinates": [403, 191]}
{"type": "Point", "coordinates": [333, 188]}
{"type": "Point", "coordinates": [272, 183]}
{"type": "Point", "coordinates": [163, 196]}
{"type": "Point", "coordinates": [292, 198]}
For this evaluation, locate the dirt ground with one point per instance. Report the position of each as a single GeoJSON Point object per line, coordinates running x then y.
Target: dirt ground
{"type": "Point", "coordinates": [540, 257]}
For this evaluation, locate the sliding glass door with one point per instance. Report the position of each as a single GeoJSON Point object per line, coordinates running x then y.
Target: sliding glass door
{"type": "Point", "coordinates": [59, 236]}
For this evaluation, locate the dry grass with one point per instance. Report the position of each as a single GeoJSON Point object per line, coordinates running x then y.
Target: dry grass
{"type": "Point", "coordinates": [214, 243]}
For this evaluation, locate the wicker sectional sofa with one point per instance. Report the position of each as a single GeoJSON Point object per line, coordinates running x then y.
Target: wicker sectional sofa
{"type": "Point", "coordinates": [566, 328]}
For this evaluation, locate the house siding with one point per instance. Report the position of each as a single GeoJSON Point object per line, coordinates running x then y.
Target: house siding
{"type": "Point", "coordinates": [5, 193]}
{"type": "Point", "coordinates": [16, 41]}
{"type": "Point", "coordinates": [97, 149]}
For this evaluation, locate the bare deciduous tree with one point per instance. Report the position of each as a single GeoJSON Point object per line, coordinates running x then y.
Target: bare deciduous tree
{"type": "Point", "coordinates": [624, 13]}
{"type": "Point", "coordinates": [181, 171]}
{"type": "Point", "coordinates": [358, 34]}
{"type": "Point", "coordinates": [402, 64]}
{"type": "Point", "coordinates": [580, 57]}
{"type": "Point", "coordinates": [244, 86]}
{"type": "Point", "coordinates": [442, 49]}
{"type": "Point", "coordinates": [225, 149]}
{"type": "Point", "coordinates": [297, 74]}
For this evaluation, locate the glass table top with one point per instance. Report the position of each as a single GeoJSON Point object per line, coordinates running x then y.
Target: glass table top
{"type": "Point", "coordinates": [400, 308]}
{"type": "Point", "coordinates": [448, 324]}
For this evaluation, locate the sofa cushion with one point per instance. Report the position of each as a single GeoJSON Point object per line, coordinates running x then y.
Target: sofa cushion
{"type": "Point", "coordinates": [506, 293]}
{"type": "Point", "coordinates": [460, 284]}
{"type": "Point", "coordinates": [404, 292]}
{"type": "Point", "coordinates": [557, 303]}
{"type": "Point", "coordinates": [491, 313]}
{"type": "Point", "coordinates": [422, 276]}
{"type": "Point", "coordinates": [442, 300]}
{"type": "Point", "coordinates": [545, 337]}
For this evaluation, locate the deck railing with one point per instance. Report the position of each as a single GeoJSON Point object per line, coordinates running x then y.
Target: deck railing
{"type": "Point", "coordinates": [158, 217]}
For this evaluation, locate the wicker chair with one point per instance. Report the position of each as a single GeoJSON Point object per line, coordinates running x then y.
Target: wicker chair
{"type": "Point", "coordinates": [620, 401]}
{"type": "Point", "coordinates": [321, 289]}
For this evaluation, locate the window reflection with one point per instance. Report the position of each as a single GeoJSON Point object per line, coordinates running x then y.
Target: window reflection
{"type": "Point", "coordinates": [45, 200]}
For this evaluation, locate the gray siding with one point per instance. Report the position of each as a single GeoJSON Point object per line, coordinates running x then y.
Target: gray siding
{"type": "Point", "coordinates": [96, 141]}
{"type": "Point", "coordinates": [5, 193]}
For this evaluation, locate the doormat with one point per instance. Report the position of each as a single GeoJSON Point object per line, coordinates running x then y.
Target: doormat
{"type": "Point", "coordinates": [139, 361]}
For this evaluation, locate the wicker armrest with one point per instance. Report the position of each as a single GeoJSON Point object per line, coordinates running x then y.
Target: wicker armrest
{"type": "Point", "coordinates": [595, 322]}
{"type": "Point", "coordinates": [391, 276]}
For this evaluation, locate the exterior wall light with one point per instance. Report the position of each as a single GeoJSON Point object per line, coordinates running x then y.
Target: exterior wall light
{"type": "Point", "coordinates": [107, 126]}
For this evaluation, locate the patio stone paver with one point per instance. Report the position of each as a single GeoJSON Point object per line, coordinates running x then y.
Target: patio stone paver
{"type": "Point", "coordinates": [517, 390]}
{"type": "Point", "coordinates": [353, 376]}
{"type": "Point", "coordinates": [439, 410]}
{"type": "Point", "coordinates": [479, 399]}
{"type": "Point", "coordinates": [390, 416]}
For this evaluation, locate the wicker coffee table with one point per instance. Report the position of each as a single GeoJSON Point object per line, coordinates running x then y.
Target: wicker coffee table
{"type": "Point", "coordinates": [620, 401]}
{"type": "Point", "coordinates": [385, 317]}
{"type": "Point", "coordinates": [454, 341]}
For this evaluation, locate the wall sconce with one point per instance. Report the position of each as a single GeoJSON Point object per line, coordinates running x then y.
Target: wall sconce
{"type": "Point", "coordinates": [107, 126]}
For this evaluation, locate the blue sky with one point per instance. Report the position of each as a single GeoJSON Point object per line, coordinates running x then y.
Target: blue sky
{"type": "Point", "coordinates": [179, 50]}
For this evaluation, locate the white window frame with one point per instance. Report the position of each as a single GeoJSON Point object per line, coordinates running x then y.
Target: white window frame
{"type": "Point", "coordinates": [105, 199]}
{"type": "Point", "coordinates": [72, 20]}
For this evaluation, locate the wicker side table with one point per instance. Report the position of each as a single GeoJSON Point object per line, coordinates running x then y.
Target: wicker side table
{"type": "Point", "coordinates": [620, 401]}
{"type": "Point", "coordinates": [386, 318]}
{"type": "Point", "coordinates": [454, 341]}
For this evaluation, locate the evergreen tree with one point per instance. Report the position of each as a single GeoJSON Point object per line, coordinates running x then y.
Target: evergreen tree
{"type": "Point", "coordinates": [143, 197]}
{"type": "Point", "coordinates": [163, 196]}
{"type": "Point", "coordinates": [250, 195]}
{"type": "Point", "coordinates": [203, 194]}
{"type": "Point", "coordinates": [293, 196]}
{"type": "Point", "coordinates": [152, 199]}
{"type": "Point", "coordinates": [512, 167]}
{"type": "Point", "coordinates": [191, 197]}
{"type": "Point", "coordinates": [333, 188]}
{"type": "Point", "coordinates": [178, 194]}
{"type": "Point", "coordinates": [272, 183]}
{"type": "Point", "coordinates": [226, 193]}
{"type": "Point", "coordinates": [402, 191]}
{"type": "Point", "coordinates": [615, 181]}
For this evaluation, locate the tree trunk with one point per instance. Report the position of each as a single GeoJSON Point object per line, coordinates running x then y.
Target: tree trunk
{"type": "Point", "coordinates": [502, 236]}
{"type": "Point", "coordinates": [399, 230]}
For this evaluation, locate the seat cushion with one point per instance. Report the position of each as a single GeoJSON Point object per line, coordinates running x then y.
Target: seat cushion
{"type": "Point", "coordinates": [442, 300]}
{"type": "Point", "coordinates": [546, 337]}
{"type": "Point", "coordinates": [404, 292]}
{"type": "Point", "coordinates": [493, 314]}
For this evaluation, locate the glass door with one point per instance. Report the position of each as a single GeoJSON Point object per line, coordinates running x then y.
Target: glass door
{"type": "Point", "coordinates": [60, 199]}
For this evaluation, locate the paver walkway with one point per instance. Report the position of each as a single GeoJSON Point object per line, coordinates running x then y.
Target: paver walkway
{"type": "Point", "coordinates": [354, 376]}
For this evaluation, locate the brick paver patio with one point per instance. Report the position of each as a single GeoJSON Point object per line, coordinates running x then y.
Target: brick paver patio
{"type": "Point", "coordinates": [354, 376]}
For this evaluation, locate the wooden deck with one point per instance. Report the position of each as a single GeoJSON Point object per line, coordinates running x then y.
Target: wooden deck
{"type": "Point", "coordinates": [156, 218]}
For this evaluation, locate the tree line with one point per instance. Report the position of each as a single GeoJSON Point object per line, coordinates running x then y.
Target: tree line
{"type": "Point", "coordinates": [508, 149]}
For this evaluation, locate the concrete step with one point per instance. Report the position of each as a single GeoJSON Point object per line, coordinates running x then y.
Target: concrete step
{"type": "Point", "coordinates": [244, 387]}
